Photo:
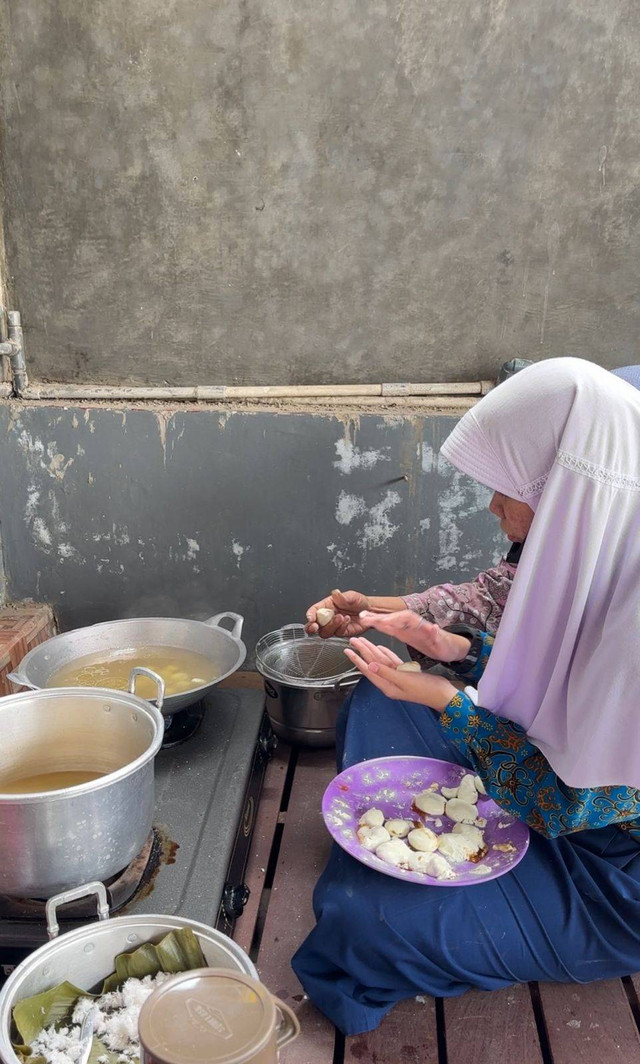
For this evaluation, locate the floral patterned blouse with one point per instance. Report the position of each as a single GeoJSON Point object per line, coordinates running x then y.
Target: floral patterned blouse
{"type": "Point", "coordinates": [479, 603]}
{"type": "Point", "coordinates": [519, 777]}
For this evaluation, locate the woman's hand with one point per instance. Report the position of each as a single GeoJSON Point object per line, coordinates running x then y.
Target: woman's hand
{"type": "Point", "coordinates": [428, 639]}
{"type": "Point", "coordinates": [347, 605]}
{"type": "Point", "coordinates": [380, 666]}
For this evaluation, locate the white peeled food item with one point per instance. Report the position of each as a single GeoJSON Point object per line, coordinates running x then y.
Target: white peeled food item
{"type": "Point", "coordinates": [467, 791]}
{"type": "Point", "coordinates": [450, 792]}
{"type": "Point", "coordinates": [408, 666]}
{"type": "Point", "coordinates": [456, 847]}
{"type": "Point", "coordinates": [398, 829]}
{"type": "Point", "coordinates": [394, 853]}
{"type": "Point", "coordinates": [461, 812]}
{"type": "Point", "coordinates": [431, 864]}
{"type": "Point", "coordinates": [371, 838]}
{"type": "Point", "coordinates": [372, 818]}
{"type": "Point", "coordinates": [323, 616]}
{"type": "Point", "coordinates": [469, 831]}
{"type": "Point", "coordinates": [430, 803]}
{"type": "Point", "coordinates": [480, 822]}
{"type": "Point", "coordinates": [423, 839]}
{"type": "Point", "coordinates": [480, 787]}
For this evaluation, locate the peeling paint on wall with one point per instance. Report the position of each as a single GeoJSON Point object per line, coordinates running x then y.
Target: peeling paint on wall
{"type": "Point", "coordinates": [349, 507]}
{"type": "Point", "coordinates": [239, 551]}
{"type": "Point", "coordinates": [126, 530]}
{"type": "Point", "coordinates": [351, 457]}
{"type": "Point", "coordinates": [379, 528]}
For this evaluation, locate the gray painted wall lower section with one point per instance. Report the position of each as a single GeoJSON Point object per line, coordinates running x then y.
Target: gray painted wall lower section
{"type": "Point", "coordinates": [253, 192]}
{"type": "Point", "coordinates": [122, 512]}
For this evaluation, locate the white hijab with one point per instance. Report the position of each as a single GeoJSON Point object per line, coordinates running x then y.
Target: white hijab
{"type": "Point", "coordinates": [564, 436]}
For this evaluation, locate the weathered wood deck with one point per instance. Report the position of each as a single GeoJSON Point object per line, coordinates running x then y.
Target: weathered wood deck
{"type": "Point", "coordinates": [536, 1024]}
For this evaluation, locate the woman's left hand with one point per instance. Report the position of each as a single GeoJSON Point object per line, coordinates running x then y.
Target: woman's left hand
{"type": "Point", "coordinates": [380, 666]}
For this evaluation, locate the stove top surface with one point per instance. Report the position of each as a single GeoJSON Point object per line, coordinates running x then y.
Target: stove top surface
{"type": "Point", "coordinates": [201, 798]}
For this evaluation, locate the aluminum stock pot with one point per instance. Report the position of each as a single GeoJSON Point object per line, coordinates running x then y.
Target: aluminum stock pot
{"type": "Point", "coordinates": [58, 839]}
{"type": "Point", "coordinates": [86, 955]}
{"type": "Point", "coordinates": [224, 649]}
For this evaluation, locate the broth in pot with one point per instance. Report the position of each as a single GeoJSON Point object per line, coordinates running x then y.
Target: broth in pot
{"type": "Point", "coordinates": [46, 781]}
{"type": "Point", "coordinates": [182, 670]}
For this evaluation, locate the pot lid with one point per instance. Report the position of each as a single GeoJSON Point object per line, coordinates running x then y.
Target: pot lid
{"type": "Point", "coordinates": [207, 1016]}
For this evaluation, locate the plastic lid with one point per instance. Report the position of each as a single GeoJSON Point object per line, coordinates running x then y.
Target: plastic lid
{"type": "Point", "coordinates": [207, 1016]}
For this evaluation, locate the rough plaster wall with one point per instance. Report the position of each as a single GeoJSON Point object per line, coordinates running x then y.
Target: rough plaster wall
{"type": "Point", "coordinates": [112, 512]}
{"type": "Point", "coordinates": [258, 192]}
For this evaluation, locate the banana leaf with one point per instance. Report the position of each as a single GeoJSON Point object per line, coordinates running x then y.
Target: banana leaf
{"type": "Point", "coordinates": [179, 951]}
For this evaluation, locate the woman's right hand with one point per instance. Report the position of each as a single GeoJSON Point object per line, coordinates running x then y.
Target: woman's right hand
{"type": "Point", "coordinates": [412, 629]}
{"type": "Point", "coordinates": [347, 605]}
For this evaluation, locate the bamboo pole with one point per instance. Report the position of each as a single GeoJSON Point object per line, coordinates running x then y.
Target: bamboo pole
{"type": "Point", "coordinates": [216, 393]}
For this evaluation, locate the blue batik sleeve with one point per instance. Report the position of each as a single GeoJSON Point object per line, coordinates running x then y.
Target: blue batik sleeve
{"type": "Point", "coordinates": [474, 674]}
{"type": "Point", "coordinates": [520, 779]}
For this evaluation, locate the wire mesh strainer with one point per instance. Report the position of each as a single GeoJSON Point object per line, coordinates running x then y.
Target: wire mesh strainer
{"type": "Point", "coordinates": [290, 656]}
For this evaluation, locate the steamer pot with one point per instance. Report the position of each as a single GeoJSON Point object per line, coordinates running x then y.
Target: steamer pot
{"type": "Point", "coordinates": [85, 956]}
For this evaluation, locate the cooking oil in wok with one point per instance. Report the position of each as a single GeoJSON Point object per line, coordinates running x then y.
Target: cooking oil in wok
{"type": "Point", "coordinates": [182, 670]}
{"type": "Point", "coordinates": [47, 781]}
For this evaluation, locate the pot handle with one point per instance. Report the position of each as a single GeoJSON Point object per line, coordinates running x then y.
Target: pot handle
{"type": "Point", "coordinates": [84, 891]}
{"type": "Point", "coordinates": [238, 621]}
{"type": "Point", "coordinates": [139, 671]}
{"type": "Point", "coordinates": [20, 680]}
{"type": "Point", "coordinates": [288, 1028]}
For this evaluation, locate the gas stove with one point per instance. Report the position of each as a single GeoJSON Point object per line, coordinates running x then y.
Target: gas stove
{"type": "Point", "coordinates": [208, 785]}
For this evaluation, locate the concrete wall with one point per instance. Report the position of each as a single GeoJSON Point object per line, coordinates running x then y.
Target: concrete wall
{"type": "Point", "coordinates": [252, 192]}
{"type": "Point", "coordinates": [124, 512]}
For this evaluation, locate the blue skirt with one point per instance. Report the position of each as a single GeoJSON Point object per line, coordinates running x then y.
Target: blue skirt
{"type": "Point", "coordinates": [569, 912]}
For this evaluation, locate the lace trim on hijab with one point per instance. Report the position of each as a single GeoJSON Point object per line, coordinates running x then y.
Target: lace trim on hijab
{"type": "Point", "coordinates": [534, 487]}
{"type": "Point", "coordinates": [597, 472]}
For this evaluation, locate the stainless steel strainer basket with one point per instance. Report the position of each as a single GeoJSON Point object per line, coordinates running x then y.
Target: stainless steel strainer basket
{"type": "Point", "coordinates": [290, 656]}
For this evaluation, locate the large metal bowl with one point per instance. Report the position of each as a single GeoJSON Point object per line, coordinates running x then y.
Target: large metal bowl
{"type": "Point", "coordinates": [85, 957]}
{"type": "Point", "coordinates": [224, 649]}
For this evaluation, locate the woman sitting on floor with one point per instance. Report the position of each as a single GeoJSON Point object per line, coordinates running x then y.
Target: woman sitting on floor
{"type": "Point", "coordinates": [553, 730]}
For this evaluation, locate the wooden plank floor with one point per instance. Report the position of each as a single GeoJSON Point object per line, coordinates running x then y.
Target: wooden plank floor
{"type": "Point", "coordinates": [539, 1024]}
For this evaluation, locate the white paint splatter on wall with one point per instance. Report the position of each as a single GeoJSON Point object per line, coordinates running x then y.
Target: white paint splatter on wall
{"type": "Point", "coordinates": [378, 528]}
{"type": "Point", "coordinates": [42, 535]}
{"type": "Point", "coordinates": [461, 499]}
{"type": "Point", "coordinates": [351, 457]}
{"type": "Point", "coordinates": [239, 551]}
{"type": "Point", "coordinates": [349, 507]}
{"type": "Point", "coordinates": [192, 549]}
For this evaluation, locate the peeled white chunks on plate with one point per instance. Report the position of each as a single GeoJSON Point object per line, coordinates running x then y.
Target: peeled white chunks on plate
{"type": "Point", "coordinates": [324, 616]}
{"type": "Point", "coordinates": [372, 818]}
{"type": "Point", "coordinates": [430, 864]}
{"type": "Point", "coordinates": [394, 853]}
{"type": "Point", "coordinates": [460, 812]}
{"type": "Point", "coordinates": [423, 839]}
{"type": "Point", "coordinates": [429, 803]}
{"type": "Point", "coordinates": [371, 838]}
{"type": "Point", "coordinates": [408, 666]}
{"type": "Point", "coordinates": [456, 847]}
{"type": "Point", "coordinates": [469, 831]}
{"type": "Point", "coordinates": [449, 792]}
{"type": "Point", "coordinates": [467, 791]}
{"type": "Point", "coordinates": [398, 829]}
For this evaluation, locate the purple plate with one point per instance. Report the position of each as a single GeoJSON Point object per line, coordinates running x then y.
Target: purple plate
{"type": "Point", "coordinates": [390, 784]}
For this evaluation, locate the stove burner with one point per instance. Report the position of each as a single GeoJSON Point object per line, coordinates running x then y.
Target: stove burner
{"type": "Point", "coordinates": [178, 727]}
{"type": "Point", "coordinates": [131, 883]}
